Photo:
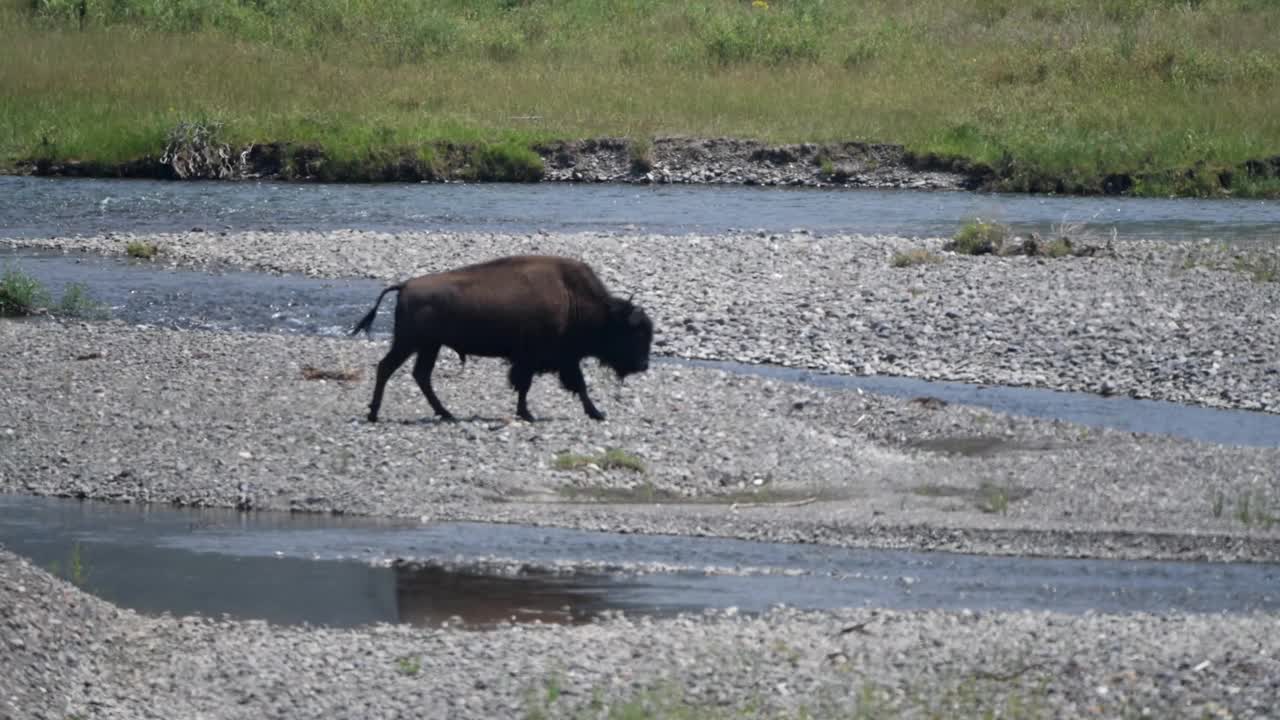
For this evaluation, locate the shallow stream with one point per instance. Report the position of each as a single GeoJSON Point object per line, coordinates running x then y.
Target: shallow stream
{"type": "Point", "coordinates": [333, 570]}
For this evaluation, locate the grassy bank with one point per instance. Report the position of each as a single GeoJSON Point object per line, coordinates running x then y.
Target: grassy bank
{"type": "Point", "coordinates": [1177, 94]}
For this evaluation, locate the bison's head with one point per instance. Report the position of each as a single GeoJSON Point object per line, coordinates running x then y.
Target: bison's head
{"type": "Point", "coordinates": [628, 336]}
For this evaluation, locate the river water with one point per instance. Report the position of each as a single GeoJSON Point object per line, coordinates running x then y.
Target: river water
{"type": "Point", "coordinates": [59, 206]}
{"type": "Point", "coordinates": [324, 569]}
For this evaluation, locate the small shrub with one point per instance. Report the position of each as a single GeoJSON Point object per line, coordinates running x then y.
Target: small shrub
{"type": "Point", "coordinates": [641, 151]}
{"type": "Point", "coordinates": [825, 166]}
{"type": "Point", "coordinates": [919, 256]}
{"type": "Point", "coordinates": [77, 303]}
{"type": "Point", "coordinates": [1057, 248]}
{"type": "Point", "coordinates": [993, 499]}
{"type": "Point", "coordinates": [409, 665]}
{"type": "Point", "coordinates": [21, 294]}
{"type": "Point", "coordinates": [979, 238]}
{"type": "Point", "coordinates": [141, 249]}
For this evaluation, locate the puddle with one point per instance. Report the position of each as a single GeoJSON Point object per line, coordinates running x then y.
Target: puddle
{"type": "Point", "coordinates": [336, 571]}
{"type": "Point", "coordinates": [140, 293]}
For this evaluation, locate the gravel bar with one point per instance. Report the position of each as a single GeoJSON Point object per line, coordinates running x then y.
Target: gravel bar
{"type": "Point", "coordinates": [107, 411]}
{"type": "Point", "coordinates": [1185, 322]}
{"type": "Point", "coordinates": [68, 654]}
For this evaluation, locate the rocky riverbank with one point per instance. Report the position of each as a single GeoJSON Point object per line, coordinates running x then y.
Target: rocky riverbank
{"type": "Point", "coordinates": [111, 412]}
{"type": "Point", "coordinates": [68, 654]}
{"type": "Point", "coordinates": [1193, 323]}
{"type": "Point", "coordinates": [665, 160]}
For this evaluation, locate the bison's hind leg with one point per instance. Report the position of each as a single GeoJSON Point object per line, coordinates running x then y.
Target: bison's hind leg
{"type": "Point", "coordinates": [422, 373]}
{"type": "Point", "coordinates": [521, 376]}
{"type": "Point", "coordinates": [572, 380]}
{"type": "Point", "coordinates": [391, 362]}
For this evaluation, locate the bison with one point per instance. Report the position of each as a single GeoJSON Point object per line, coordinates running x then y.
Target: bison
{"type": "Point", "coordinates": [541, 313]}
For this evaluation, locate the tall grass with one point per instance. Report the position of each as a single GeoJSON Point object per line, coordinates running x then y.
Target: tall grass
{"type": "Point", "coordinates": [1043, 91]}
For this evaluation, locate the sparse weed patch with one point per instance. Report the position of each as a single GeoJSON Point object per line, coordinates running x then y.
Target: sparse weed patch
{"type": "Point", "coordinates": [1021, 693]}
{"type": "Point", "coordinates": [1250, 508]}
{"type": "Point", "coordinates": [77, 573]}
{"type": "Point", "coordinates": [310, 372]}
{"type": "Point", "coordinates": [1260, 268]}
{"type": "Point", "coordinates": [918, 256]}
{"type": "Point", "coordinates": [608, 460]}
{"type": "Point", "coordinates": [77, 303]}
{"type": "Point", "coordinates": [409, 665]}
{"type": "Point", "coordinates": [988, 497]}
{"type": "Point", "coordinates": [141, 249]}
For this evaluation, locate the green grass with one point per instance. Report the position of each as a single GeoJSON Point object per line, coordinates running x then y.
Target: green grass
{"type": "Point", "coordinates": [608, 460]}
{"type": "Point", "coordinates": [1046, 94]}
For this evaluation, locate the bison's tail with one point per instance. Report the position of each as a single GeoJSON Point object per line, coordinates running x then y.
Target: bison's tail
{"type": "Point", "coordinates": [366, 322]}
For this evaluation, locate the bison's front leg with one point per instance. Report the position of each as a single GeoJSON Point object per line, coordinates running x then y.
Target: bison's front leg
{"type": "Point", "coordinates": [521, 377]}
{"type": "Point", "coordinates": [571, 379]}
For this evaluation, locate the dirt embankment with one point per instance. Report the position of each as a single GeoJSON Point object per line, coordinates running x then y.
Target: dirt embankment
{"type": "Point", "coordinates": [678, 160]}
{"type": "Point", "coordinates": [616, 160]}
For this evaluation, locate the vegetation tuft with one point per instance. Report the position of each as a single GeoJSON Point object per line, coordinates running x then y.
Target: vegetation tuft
{"type": "Point", "coordinates": [918, 256]}
{"type": "Point", "coordinates": [409, 665]}
{"type": "Point", "coordinates": [141, 249]}
{"type": "Point", "coordinates": [21, 294]}
{"type": "Point", "coordinates": [641, 153]}
{"type": "Point", "coordinates": [608, 460]}
{"type": "Point", "coordinates": [979, 238]}
{"type": "Point", "coordinates": [310, 372]}
{"type": "Point", "coordinates": [507, 162]}
{"type": "Point", "coordinates": [1152, 98]}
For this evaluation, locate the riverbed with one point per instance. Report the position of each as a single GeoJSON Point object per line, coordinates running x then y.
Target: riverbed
{"type": "Point", "coordinates": [210, 407]}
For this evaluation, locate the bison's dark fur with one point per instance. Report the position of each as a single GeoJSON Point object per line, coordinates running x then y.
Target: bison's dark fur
{"type": "Point", "coordinates": [541, 313]}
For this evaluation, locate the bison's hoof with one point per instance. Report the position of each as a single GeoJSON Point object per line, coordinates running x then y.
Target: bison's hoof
{"type": "Point", "coordinates": [447, 417]}
{"type": "Point", "coordinates": [373, 417]}
{"type": "Point", "coordinates": [597, 415]}
{"type": "Point", "coordinates": [526, 416]}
